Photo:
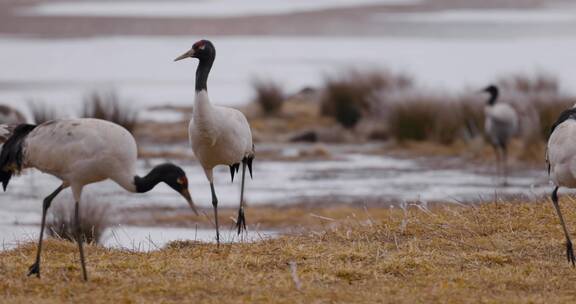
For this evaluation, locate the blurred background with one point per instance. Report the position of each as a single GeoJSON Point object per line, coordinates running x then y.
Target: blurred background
{"type": "Point", "coordinates": [359, 102]}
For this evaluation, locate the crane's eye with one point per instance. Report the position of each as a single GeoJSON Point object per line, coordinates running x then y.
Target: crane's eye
{"type": "Point", "coordinates": [182, 181]}
{"type": "Point", "coordinates": [199, 45]}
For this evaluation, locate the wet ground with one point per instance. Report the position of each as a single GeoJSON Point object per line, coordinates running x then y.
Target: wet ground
{"type": "Point", "coordinates": [135, 238]}
{"type": "Point", "coordinates": [351, 174]}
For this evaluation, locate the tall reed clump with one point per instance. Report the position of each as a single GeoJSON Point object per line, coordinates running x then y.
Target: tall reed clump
{"type": "Point", "coordinates": [269, 96]}
{"type": "Point", "coordinates": [352, 95]}
{"type": "Point", "coordinates": [41, 112]}
{"type": "Point", "coordinates": [107, 106]}
{"type": "Point", "coordinates": [439, 119]}
{"type": "Point", "coordinates": [93, 222]}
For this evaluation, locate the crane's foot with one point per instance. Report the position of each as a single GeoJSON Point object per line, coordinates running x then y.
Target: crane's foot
{"type": "Point", "coordinates": [241, 222]}
{"type": "Point", "coordinates": [570, 253]}
{"type": "Point", "coordinates": [34, 269]}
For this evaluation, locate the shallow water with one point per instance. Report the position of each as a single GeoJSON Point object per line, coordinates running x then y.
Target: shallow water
{"type": "Point", "coordinates": [136, 238]}
{"type": "Point", "coordinates": [142, 71]}
{"type": "Point", "coordinates": [348, 176]}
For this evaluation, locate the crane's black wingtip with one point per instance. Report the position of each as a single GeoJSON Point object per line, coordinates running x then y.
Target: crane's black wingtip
{"type": "Point", "coordinates": [249, 163]}
{"type": "Point", "coordinates": [5, 178]}
{"type": "Point", "coordinates": [232, 172]}
{"type": "Point", "coordinates": [234, 169]}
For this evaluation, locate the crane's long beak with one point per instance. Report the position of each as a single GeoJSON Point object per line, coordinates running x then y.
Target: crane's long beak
{"type": "Point", "coordinates": [186, 194]}
{"type": "Point", "coordinates": [190, 53]}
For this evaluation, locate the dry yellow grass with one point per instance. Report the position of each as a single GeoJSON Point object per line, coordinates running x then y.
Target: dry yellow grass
{"type": "Point", "coordinates": [492, 253]}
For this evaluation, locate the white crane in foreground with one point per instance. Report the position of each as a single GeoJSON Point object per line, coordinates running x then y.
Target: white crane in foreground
{"type": "Point", "coordinates": [561, 159]}
{"type": "Point", "coordinates": [80, 152]}
{"type": "Point", "coordinates": [501, 124]}
{"type": "Point", "coordinates": [219, 135]}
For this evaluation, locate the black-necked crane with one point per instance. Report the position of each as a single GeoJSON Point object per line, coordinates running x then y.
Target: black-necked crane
{"type": "Point", "coordinates": [218, 135]}
{"type": "Point", "coordinates": [561, 159]}
{"type": "Point", "coordinates": [81, 152]}
{"type": "Point", "coordinates": [500, 125]}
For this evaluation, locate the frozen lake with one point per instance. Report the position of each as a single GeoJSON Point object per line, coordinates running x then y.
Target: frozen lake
{"type": "Point", "coordinates": [62, 71]}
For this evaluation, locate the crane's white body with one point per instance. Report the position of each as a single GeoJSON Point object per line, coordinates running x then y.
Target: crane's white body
{"type": "Point", "coordinates": [561, 154]}
{"type": "Point", "coordinates": [561, 159]}
{"type": "Point", "coordinates": [80, 152]}
{"type": "Point", "coordinates": [83, 151]}
{"type": "Point", "coordinates": [501, 123]}
{"type": "Point", "coordinates": [218, 135]}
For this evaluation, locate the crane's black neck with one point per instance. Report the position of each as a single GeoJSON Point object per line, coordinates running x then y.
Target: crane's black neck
{"type": "Point", "coordinates": [163, 173]}
{"type": "Point", "coordinates": [157, 175]}
{"type": "Point", "coordinates": [493, 97]}
{"type": "Point", "coordinates": [148, 182]}
{"type": "Point", "coordinates": [202, 72]}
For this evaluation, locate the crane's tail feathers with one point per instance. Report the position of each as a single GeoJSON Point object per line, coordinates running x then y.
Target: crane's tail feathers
{"type": "Point", "coordinates": [249, 163]}
{"type": "Point", "coordinates": [5, 178]}
{"type": "Point", "coordinates": [12, 153]}
{"type": "Point", "coordinates": [234, 169]}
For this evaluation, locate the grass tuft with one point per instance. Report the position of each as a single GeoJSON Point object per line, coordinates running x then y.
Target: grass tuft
{"type": "Point", "coordinates": [107, 106]}
{"type": "Point", "coordinates": [353, 95]}
{"type": "Point", "coordinates": [439, 119]}
{"type": "Point", "coordinates": [41, 112]}
{"type": "Point", "coordinates": [93, 222]}
{"type": "Point", "coordinates": [269, 96]}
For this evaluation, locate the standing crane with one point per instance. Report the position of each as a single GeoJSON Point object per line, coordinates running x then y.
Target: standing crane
{"type": "Point", "coordinates": [501, 124]}
{"type": "Point", "coordinates": [218, 135]}
{"type": "Point", "coordinates": [80, 152]}
{"type": "Point", "coordinates": [561, 159]}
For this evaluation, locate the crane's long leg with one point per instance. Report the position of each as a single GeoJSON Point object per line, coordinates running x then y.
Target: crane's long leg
{"type": "Point", "coordinates": [35, 268]}
{"type": "Point", "coordinates": [241, 222]}
{"type": "Point", "coordinates": [505, 164]}
{"type": "Point", "coordinates": [497, 153]}
{"type": "Point", "coordinates": [569, 249]}
{"type": "Point", "coordinates": [215, 205]}
{"type": "Point", "coordinates": [80, 239]}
